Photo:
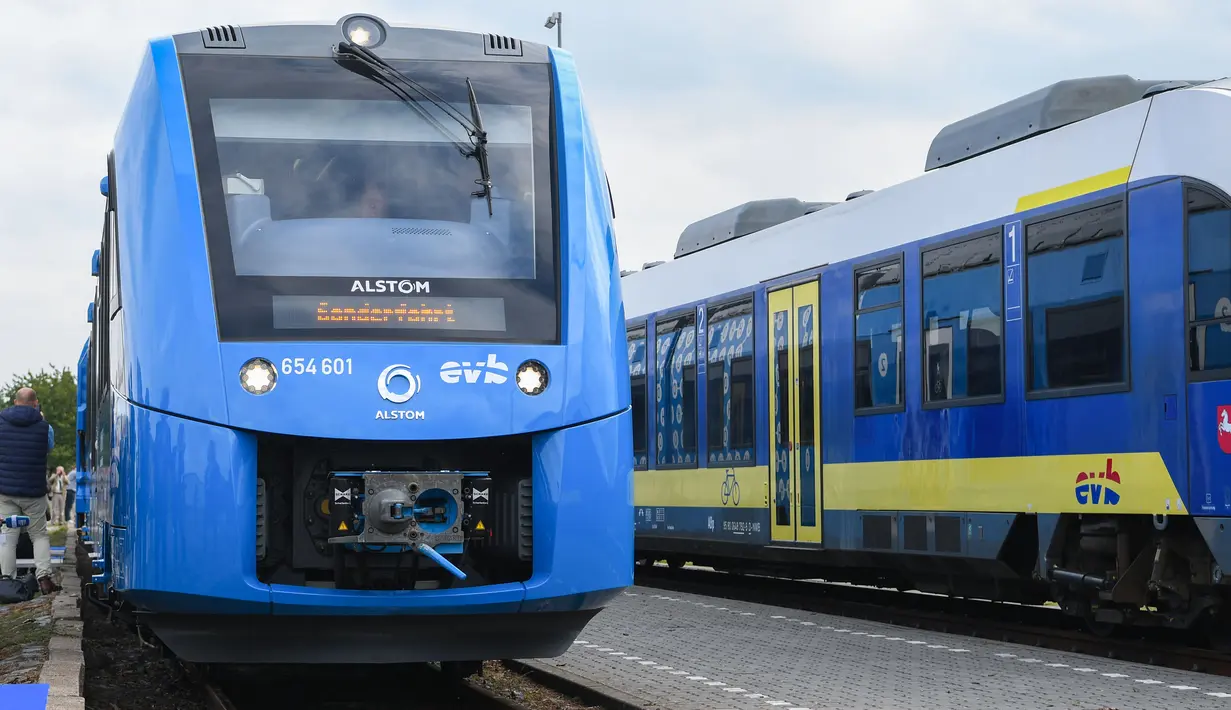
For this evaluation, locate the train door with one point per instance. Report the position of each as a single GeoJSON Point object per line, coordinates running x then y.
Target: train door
{"type": "Point", "coordinates": [794, 413]}
{"type": "Point", "coordinates": [1208, 230]}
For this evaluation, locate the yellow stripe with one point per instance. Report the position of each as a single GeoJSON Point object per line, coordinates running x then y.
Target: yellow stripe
{"type": "Point", "coordinates": [1026, 484]}
{"type": "Point", "coordinates": [1085, 186]}
{"type": "Point", "coordinates": [702, 487]}
{"type": "Point", "coordinates": [1029, 484]}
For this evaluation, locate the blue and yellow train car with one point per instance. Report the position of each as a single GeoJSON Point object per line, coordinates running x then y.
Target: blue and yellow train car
{"type": "Point", "coordinates": [357, 390]}
{"type": "Point", "coordinates": [1009, 377]}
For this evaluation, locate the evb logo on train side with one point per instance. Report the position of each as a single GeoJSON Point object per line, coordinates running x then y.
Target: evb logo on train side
{"type": "Point", "coordinates": [1095, 487]}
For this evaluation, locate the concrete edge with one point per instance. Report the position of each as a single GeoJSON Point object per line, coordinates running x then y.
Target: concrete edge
{"type": "Point", "coordinates": [64, 671]}
{"type": "Point", "coordinates": [566, 683]}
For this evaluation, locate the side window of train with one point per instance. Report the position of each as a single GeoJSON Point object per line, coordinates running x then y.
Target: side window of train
{"type": "Point", "coordinates": [637, 378]}
{"type": "Point", "coordinates": [675, 390]}
{"type": "Point", "coordinates": [963, 321]}
{"type": "Point", "coordinates": [92, 385]}
{"type": "Point", "coordinates": [730, 404]}
{"type": "Point", "coordinates": [1209, 282]}
{"type": "Point", "coordinates": [878, 337]}
{"type": "Point", "coordinates": [112, 228]}
{"type": "Point", "coordinates": [1076, 309]}
{"type": "Point", "coordinates": [113, 268]}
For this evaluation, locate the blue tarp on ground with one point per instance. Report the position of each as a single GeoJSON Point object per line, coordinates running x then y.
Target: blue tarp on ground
{"type": "Point", "coordinates": [31, 696]}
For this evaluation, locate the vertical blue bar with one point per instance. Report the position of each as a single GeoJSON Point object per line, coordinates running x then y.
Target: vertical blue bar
{"type": "Point", "coordinates": [760, 314]}
{"type": "Point", "coordinates": [702, 393]}
{"type": "Point", "coordinates": [1013, 246]}
{"type": "Point", "coordinates": [1013, 441]}
{"type": "Point", "coordinates": [651, 402]}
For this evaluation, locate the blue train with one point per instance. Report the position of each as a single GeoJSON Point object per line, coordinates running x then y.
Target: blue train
{"type": "Point", "coordinates": [356, 388]}
{"type": "Point", "coordinates": [1007, 378]}
{"type": "Point", "coordinates": [82, 499]}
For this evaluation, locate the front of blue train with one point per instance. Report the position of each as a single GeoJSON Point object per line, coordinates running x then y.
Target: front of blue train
{"type": "Point", "coordinates": [372, 399]}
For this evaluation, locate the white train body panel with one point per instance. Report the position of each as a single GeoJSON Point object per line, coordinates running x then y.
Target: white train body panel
{"type": "Point", "coordinates": [1183, 132]}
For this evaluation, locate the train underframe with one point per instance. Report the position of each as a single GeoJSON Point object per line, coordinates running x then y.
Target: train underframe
{"type": "Point", "coordinates": [1112, 571]}
{"type": "Point", "coordinates": [1137, 571]}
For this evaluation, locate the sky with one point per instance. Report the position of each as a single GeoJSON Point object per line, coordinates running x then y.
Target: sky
{"type": "Point", "coordinates": [698, 106]}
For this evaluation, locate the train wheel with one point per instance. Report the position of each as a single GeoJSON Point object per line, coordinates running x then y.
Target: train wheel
{"type": "Point", "coordinates": [1217, 631]}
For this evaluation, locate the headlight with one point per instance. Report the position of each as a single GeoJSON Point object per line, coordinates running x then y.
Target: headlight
{"type": "Point", "coordinates": [364, 31]}
{"type": "Point", "coordinates": [258, 376]}
{"type": "Point", "coordinates": [532, 377]}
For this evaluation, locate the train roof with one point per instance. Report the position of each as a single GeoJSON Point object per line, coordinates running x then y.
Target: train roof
{"type": "Point", "coordinates": [392, 41]}
{"type": "Point", "coordinates": [1083, 131]}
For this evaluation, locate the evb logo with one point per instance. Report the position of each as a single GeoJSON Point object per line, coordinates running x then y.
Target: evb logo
{"type": "Point", "coordinates": [1098, 487]}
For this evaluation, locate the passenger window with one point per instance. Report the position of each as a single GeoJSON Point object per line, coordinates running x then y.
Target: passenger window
{"type": "Point", "coordinates": [962, 319]}
{"type": "Point", "coordinates": [730, 406]}
{"type": "Point", "coordinates": [1209, 281]}
{"type": "Point", "coordinates": [1075, 273]}
{"type": "Point", "coordinates": [675, 391]}
{"type": "Point", "coordinates": [878, 336]}
{"type": "Point", "coordinates": [805, 324]}
{"type": "Point", "coordinates": [637, 380]}
{"type": "Point", "coordinates": [111, 235]}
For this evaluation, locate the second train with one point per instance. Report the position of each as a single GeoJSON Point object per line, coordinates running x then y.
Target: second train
{"type": "Point", "coordinates": [1007, 378]}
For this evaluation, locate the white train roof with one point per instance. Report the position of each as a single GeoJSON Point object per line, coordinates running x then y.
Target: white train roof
{"type": "Point", "coordinates": [1186, 131]}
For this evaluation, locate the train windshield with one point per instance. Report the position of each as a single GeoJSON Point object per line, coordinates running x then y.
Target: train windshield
{"type": "Point", "coordinates": [334, 209]}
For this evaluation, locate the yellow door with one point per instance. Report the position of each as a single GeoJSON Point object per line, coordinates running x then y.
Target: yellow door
{"type": "Point", "coordinates": [794, 413]}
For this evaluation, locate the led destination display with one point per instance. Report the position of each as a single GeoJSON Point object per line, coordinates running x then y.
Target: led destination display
{"type": "Point", "coordinates": [438, 313]}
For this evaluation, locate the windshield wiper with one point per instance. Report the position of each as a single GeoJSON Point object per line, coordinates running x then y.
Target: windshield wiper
{"type": "Point", "coordinates": [382, 73]}
{"type": "Point", "coordinates": [485, 175]}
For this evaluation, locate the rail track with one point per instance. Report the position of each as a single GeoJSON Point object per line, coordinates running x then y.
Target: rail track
{"type": "Point", "coordinates": [410, 687]}
{"type": "Point", "coordinates": [1039, 627]}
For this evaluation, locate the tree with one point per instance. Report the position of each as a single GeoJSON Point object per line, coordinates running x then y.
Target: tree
{"type": "Point", "coordinates": [57, 394]}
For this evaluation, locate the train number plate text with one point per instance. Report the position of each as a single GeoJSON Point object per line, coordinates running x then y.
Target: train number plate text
{"type": "Point", "coordinates": [310, 366]}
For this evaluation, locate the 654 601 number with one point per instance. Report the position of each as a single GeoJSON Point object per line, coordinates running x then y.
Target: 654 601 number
{"type": "Point", "coordinates": [328, 366]}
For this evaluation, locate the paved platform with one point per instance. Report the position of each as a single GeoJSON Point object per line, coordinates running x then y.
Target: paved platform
{"type": "Point", "coordinates": [61, 679]}
{"type": "Point", "coordinates": [686, 652]}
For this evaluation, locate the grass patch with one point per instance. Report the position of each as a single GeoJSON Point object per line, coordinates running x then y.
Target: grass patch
{"type": "Point", "coordinates": [58, 535]}
{"type": "Point", "coordinates": [23, 624]}
{"type": "Point", "coordinates": [507, 684]}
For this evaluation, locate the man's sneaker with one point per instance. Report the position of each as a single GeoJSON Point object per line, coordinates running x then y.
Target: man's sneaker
{"type": "Point", "coordinates": [47, 585]}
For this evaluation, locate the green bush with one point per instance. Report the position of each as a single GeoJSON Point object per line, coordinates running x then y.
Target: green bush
{"type": "Point", "coordinates": [57, 393]}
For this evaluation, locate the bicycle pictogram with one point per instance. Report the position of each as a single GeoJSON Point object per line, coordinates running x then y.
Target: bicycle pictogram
{"type": "Point", "coordinates": [730, 488]}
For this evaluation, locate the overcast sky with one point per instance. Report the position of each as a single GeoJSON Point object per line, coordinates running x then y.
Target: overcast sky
{"type": "Point", "coordinates": [700, 106]}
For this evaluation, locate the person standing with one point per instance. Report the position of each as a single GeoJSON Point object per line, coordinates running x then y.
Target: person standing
{"type": "Point", "coordinates": [70, 498]}
{"type": "Point", "coordinates": [57, 487]}
{"type": "Point", "coordinates": [25, 440]}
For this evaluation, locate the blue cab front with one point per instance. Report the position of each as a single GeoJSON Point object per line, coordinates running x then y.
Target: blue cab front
{"type": "Point", "coordinates": [307, 281]}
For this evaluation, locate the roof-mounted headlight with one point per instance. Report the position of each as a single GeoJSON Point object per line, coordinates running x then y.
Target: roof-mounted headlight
{"type": "Point", "coordinates": [363, 30]}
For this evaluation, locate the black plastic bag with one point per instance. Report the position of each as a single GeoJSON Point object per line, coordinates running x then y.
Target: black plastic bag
{"type": "Point", "coordinates": [17, 590]}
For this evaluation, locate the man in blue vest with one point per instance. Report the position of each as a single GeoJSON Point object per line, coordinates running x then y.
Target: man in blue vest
{"type": "Point", "coordinates": [25, 440]}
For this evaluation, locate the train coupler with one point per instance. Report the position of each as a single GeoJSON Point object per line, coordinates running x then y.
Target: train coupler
{"type": "Point", "coordinates": [433, 513]}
